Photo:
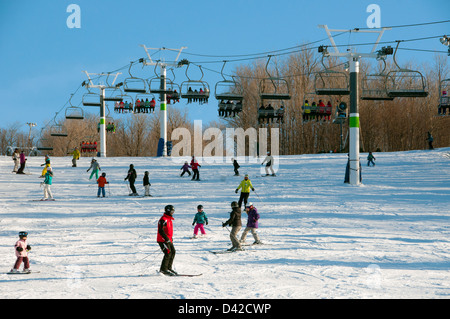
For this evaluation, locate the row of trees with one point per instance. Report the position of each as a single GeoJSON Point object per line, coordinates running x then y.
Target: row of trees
{"type": "Point", "coordinates": [398, 125]}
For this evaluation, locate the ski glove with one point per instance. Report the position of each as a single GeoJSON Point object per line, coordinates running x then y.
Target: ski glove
{"type": "Point", "coordinates": [236, 191]}
{"type": "Point", "coordinates": [28, 247]}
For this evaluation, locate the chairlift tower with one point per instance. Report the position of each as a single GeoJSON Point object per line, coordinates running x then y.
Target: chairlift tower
{"type": "Point", "coordinates": [102, 88]}
{"type": "Point", "coordinates": [163, 93]}
{"type": "Point", "coordinates": [354, 58]}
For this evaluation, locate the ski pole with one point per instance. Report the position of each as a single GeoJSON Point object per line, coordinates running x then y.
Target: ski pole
{"type": "Point", "coordinates": [140, 260]}
{"type": "Point", "coordinates": [128, 187]}
{"type": "Point", "coordinates": [257, 196]}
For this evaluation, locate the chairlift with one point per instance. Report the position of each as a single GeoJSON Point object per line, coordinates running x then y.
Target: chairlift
{"type": "Point", "coordinates": [374, 86]}
{"type": "Point", "coordinates": [273, 88]}
{"type": "Point", "coordinates": [444, 101]}
{"type": "Point", "coordinates": [91, 99]}
{"type": "Point", "coordinates": [405, 82]}
{"type": "Point", "coordinates": [331, 82]}
{"type": "Point", "coordinates": [145, 101]}
{"type": "Point", "coordinates": [58, 130]}
{"type": "Point", "coordinates": [195, 90]}
{"type": "Point", "coordinates": [133, 84]}
{"type": "Point", "coordinates": [113, 94]}
{"type": "Point", "coordinates": [228, 90]}
{"type": "Point", "coordinates": [125, 106]}
{"type": "Point", "coordinates": [74, 112]}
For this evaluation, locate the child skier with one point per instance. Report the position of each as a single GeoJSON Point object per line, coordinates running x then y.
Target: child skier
{"type": "Point", "coordinates": [201, 219]}
{"type": "Point", "coordinates": [252, 224]}
{"type": "Point", "coordinates": [269, 164]}
{"type": "Point", "coordinates": [236, 224]}
{"type": "Point", "coordinates": [22, 249]}
{"type": "Point", "coordinates": [236, 167]}
{"type": "Point", "coordinates": [185, 169]}
{"type": "Point", "coordinates": [48, 179]}
{"type": "Point", "coordinates": [95, 168]}
{"type": "Point", "coordinates": [147, 184]}
{"type": "Point", "coordinates": [101, 181]}
{"type": "Point", "coordinates": [370, 159]}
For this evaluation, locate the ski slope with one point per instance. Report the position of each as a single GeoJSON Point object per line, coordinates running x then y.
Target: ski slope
{"type": "Point", "coordinates": [387, 238]}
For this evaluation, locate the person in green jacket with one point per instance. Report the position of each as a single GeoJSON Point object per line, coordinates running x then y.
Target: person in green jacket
{"type": "Point", "coordinates": [245, 187]}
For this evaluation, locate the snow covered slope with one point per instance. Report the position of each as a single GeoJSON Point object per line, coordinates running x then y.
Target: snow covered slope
{"type": "Point", "coordinates": [387, 238]}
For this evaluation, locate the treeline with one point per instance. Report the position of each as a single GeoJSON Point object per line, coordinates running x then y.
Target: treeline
{"type": "Point", "coordinates": [398, 125]}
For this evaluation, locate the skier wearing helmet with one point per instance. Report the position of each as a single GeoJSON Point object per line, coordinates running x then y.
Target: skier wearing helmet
{"type": "Point", "coordinates": [235, 222]}
{"type": "Point", "coordinates": [164, 239]}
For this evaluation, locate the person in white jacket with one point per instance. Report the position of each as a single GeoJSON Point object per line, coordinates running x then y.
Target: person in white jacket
{"type": "Point", "coordinates": [269, 164]}
{"type": "Point", "coordinates": [16, 159]}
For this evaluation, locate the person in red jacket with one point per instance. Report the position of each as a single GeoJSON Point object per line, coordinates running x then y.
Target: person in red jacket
{"type": "Point", "coordinates": [165, 241]}
{"type": "Point", "coordinates": [101, 181]}
{"type": "Point", "coordinates": [195, 165]}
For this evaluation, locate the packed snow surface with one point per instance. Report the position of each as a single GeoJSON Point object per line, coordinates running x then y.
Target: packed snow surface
{"type": "Point", "coordinates": [386, 238]}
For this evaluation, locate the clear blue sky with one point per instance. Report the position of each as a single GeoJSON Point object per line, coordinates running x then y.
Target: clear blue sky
{"type": "Point", "coordinates": [42, 59]}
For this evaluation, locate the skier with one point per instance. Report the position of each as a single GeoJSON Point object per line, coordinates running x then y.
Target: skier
{"type": "Point", "coordinates": [246, 185]}
{"type": "Point", "coordinates": [195, 165]}
{"type": "Point", "coordinates": [165, 240]}
{"type": "Point", "coordinates": [95, 168]}
{"type": "Point", "coordinates": [101, 181]}
{"type": "Point", "coordinates": [23, 160]}
{"type": "Point", "coordinates": [370, 159]}
{"type": "Point", "coordinates": [46, 166]}
{"type": "Point", "coordinates": [131, 177]}
{"type": "Point", "coordinates": [430, 141]}
{"type": "Point", "coordinates": [75, 156]}
{"type": "Point", "coordinates": [236, 167]}
{"type": "Point", "coordinates": [48, 179]}
{"type": "Point", "coordinates": [146, 183]}
{"type": "Point", "coordinates": [235, 222]}
{"type": "Point", "coordinates": [16, 159]}
{"type": "Point", "coordinates": [185, 169]}
{"type": "Point", "coordinates": [22, 249]}
{"type": "Point", "coordinates": [201, 219]}
{"type": "Point", "coordinates": [269, 164]}
{"type": "Point", "coordinates": [252, 224]}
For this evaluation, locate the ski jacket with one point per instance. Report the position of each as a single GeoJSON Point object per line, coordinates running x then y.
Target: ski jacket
{"type": "Point", "coordinates": [235, 218]}
{"type": "Point", "coordinates": [16, 156]}
{"type": "Point", "coordinates": [21, 243]}
{"type": "Point", "coordinates": [195, 164]}
{"type": "Point", "coordinates": [321, 107]}
{"type": "Point", "coordinates": [48, 178]}
{"type": "Point", "coordinates": [22, 158]}
{"type": "Point", "coordinates": [246, 185]}
{"type": "Point", "coordinates": [185, 168]}
{"type": "Point", "coordinates": [165, 229]}
{"type": "Point", "coordinates": [200, 218]}
{"type": "Point", "coordinates": [268, 160]}
{"type": "Point", "coordinates": [253, 217]}
{"type": "Point", "coordinates": [146, 180]}
{"type": "Point", "coordinates": [131, 175]}
{"type": "Point", "coordinates": [95, 166]}
{"type": "Point", "coordinates": [101, 181]}
{"type": "Point", "coordinates": [235, 164]}
{"type": "Point", "coordinates": [76, 154]}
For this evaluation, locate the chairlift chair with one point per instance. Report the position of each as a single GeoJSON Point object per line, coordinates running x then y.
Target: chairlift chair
{"type": "Point", "coordinates": [74, 113]}
{"type": "Point", "coordinates": [374, 86]}
{"type": "Point", "coordinates": [444, 101]}
{"type": "Point", "coordinates": [405, 82]}
{"type": "Point", "coordinates": [133, 84]}
{"type": "Point", "coordinates": [273, 88]}
{"type": "Point", "coordinates": [91, 99]}
{"type": "Point", "coordinates": [194, 89]}
{"type": "Point", "coordinates": [113, 94]}
{"type": "Point", "coordinates": [228, 90]}
{"type": "Point", "coordinates": [58, 130]}
{"type": "Point", "coordinates": [330, 82]}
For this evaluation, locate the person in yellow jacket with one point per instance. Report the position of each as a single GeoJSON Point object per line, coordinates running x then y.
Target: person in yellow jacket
{"type": "Point", "coordinates": [245, 187]}
{"type": "Point", "coordinates": [76, 156]}
{"type": "Point", "coordinates": [46, 165]}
